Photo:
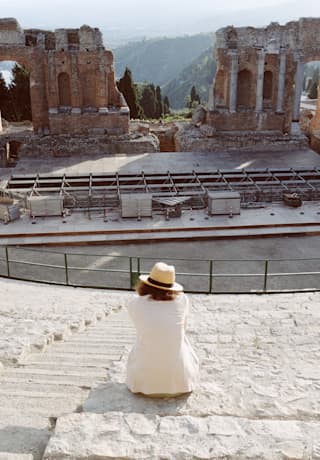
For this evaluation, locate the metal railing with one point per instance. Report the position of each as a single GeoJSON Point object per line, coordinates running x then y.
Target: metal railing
{"type": "Point", "coordinates": [111, 271]}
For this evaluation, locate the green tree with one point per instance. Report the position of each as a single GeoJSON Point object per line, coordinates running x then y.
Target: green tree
{"type": "Point", "coordinates": [313, 91]}
{"type": "Point", "coordinates": [159, 105]}
{"type": "Point", "coordinates": [4, 97]}
{"type": "Point", "coordinates": [313, 81]}
{"type": "Point", "coordinates": [128, 89]}
{"type": "Point", "coordinates": [148, 101]}
{"type": "Point", "coordinates": [194, 97]}
{"type": "Point", "coordinates": [166, 105]}
{"type": "Point", "coordinates": [19, 94]}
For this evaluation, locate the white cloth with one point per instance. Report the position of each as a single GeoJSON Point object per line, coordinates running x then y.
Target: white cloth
{"type": "Point", "coordinates": [162, 360]}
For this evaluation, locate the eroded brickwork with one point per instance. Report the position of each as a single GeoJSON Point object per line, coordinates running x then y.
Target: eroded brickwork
{"type": "Point", "coordinates": [259, 76]}
{"type": "Point", "coordinates": [72, 83]}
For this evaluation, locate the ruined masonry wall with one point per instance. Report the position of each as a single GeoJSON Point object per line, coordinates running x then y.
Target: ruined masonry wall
{"type": "Point", "coordinates": [72, 82]}
{"type": "Point", "coordinates": [259, 78]}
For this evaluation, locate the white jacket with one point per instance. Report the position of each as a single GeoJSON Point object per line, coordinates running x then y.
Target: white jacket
{"type": "Point", "coordinates": [162, 360]}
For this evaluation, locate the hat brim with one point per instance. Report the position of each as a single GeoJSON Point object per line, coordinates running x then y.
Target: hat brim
{"type": "Point", "coordinates": [175, 287]}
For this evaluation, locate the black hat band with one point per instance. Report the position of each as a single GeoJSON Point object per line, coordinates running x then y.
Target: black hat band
{"type": "Point", "coordinates": [158, 283]}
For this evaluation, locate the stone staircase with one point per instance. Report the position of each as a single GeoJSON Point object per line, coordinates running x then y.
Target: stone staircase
{"type": "Point", "coordinates": [258, 395]}
{"type": "Point", "coordinates": [49, 384]}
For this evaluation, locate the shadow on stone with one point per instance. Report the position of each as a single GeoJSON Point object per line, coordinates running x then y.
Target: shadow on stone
{"type": "Point", "coordinates": [114, 396]}
{"type": "Point", "coordinates": [24, 440]}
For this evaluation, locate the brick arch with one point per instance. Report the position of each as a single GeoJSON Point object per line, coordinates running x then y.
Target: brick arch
{"type": "Point", "coordinates": [58, 61]}
{"type": "Point", "coordinates": [245, 89]}
{"type": "Point", "coordinates": [23, 57]}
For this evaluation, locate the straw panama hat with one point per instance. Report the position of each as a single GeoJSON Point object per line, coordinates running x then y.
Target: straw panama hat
{"type": "Point", "coordinates": [162, 276]}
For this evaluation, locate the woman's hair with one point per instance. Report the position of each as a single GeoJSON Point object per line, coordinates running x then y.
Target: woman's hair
{"type": "Point", "coordinates": [156, 293]}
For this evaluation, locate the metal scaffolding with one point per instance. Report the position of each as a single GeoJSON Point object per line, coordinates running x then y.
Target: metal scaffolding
{"type": "Point", "coordinates": [104, 190]}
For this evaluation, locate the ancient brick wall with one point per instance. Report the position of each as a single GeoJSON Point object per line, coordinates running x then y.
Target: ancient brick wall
{"type": "Point", "coordinates": [258, 83]}
{"type": "Point", "coordinates": [72, 82]}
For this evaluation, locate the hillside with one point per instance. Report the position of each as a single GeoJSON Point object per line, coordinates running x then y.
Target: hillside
{"type": "Point", "coordinates": [199, 73]}
{"type": "Point", "coordinates": [160, 60]}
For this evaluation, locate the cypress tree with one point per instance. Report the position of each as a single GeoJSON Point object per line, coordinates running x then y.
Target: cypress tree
{"type": "Point", "coordinates": [158, 102]}
{"type": "Point", "coordinates": [19, 94]}
{"type": "Point", "coordinates": [166, 105]}
{"type": "Point", "coordinates": [194, 97]}
{"type": "Point", "coordinates": [148, 101]}
{"type": "Point", "coordinates": [128, 89]}
{"type": "Point", "coordinates": [4, 94]}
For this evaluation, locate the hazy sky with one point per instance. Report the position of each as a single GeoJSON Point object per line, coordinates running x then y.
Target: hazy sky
{"type": "Point", "coordinates": [154, 17]}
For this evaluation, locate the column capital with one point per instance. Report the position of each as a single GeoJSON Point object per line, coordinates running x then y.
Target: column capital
{"type": "Point", "coordinates": [298, 55]}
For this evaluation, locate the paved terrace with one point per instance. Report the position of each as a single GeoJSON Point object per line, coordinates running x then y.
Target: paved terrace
{"type": "Point", "coordinates": [62, 392]}
{"type": "Point", "coordinates": [78, 228]}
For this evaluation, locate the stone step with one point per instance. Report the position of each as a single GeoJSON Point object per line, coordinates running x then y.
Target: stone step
{"type": "Point", "coordinates": [12, 456]}
{"type": "Point", "coordinates": [74, 359]}
{"type": "Point", "coordinates": [85, 348]}
{"type": "Point", "coordinates": [24, 441]}
{"type": "Point", "coordinates": [41, 379]}
{"type": "Point", "coordinates": [117, 435]}
{"type": "Point", "coordinates": [100, 341]}
{"type": "Point", "coordinates": [62, 371]}
{"type": "Point", "coordinates": [109, 335]}
{"type": "Point", "coordinates": [13, 385]}
{"type": "Point", "coordinates": [56, 381]}
{"type": "Point", "coordinates": [40, 392]}
{"type": "Point", "coordinates": [58, 368]}
{"type": "Point", "coordinates": [13, 418]}
{"type": "Point", "coordinates": [48, 405]}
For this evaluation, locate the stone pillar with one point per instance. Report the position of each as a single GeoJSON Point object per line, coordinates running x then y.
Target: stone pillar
{"type": "Point", "coordinates": [52, 80]}
{"type": "Point", "coordinates": [233, 81]}
{"type": "Point", "coordinates": [260, 78]}
{"type": "Point", "coordinates": [102, 82]}
{"type": "Point", "coordinates": [298, 83]}
{"type": "Point", "coordinates": [75, 84]}
{"type": "Point", "coordinates": [281, 80]}
{"type": "Point", "coordinates": [211, 104]}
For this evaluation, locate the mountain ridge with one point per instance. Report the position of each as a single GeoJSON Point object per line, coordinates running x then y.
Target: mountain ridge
{"type": "Point", "coordinates": [160, 60]}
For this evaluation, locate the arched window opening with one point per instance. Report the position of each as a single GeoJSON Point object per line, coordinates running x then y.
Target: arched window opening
{"type": "Point", "coordinates": [267, 87]}
{"type": "Point", "coordinates": [64, 90]}
{"type": "Point", "coordinates": [245, 91]}
{"type": "Point", "coordinates": [15, 97]}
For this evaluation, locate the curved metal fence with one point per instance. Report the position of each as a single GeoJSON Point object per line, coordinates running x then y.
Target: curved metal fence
{"type": "Point", "coordinates": [196, 275]}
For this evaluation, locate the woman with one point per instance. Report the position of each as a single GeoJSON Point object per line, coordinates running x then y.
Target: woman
{"type": "Point", "coordinates": [162, 362]}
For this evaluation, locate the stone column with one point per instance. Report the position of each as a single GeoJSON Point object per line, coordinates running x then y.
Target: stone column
{"type": "Point", "coordinates": [211, 104]}
{"type": "Point", "coordinates": [75, 84]}
{"type": "Point", "coordinates": [260, 78]}
{"type": "Point", "coordinates": [281, 80]}
{"type": "Point", "coordinates": [298, 83]}
{"type": "Point", "coordinates": [52, 81]}
{"type": "Point", "coordinates": [233, 80]}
